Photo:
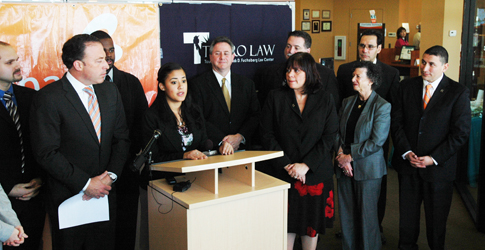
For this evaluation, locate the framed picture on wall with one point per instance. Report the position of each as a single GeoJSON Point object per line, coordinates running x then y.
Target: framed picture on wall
{"type": "Point", "coordinates": [326, 26]}
{"type": "Point", "coordinates": [315, 26]}
{"type": "Point", "coordinates": [305, 25]}
{"type": "Point", "coordinates": [325, 14]}
{"type": "Point", "coordinates": [306, 14]}
{"type": "Point", "coordinates": [315, 14]}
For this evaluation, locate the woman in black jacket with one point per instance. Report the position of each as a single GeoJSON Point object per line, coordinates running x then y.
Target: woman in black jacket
{"type": "Point", "coordinates": [173, 113]}
{"type": "Point", "coordinates": [300, 119]}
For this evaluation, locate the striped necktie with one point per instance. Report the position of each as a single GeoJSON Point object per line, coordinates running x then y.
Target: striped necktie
{"type": "Point", "coordinates": [12, 110]}
{"type": "Point", "coordinates": [225, 92]}
{"type": "Point", "coordinates": [427, 96]}
{"type": "Point", "coordinates": [93, 109]}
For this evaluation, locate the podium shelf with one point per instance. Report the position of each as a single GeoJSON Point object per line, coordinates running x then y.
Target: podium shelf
{"type": "Point", "coordinates": [215, 161]}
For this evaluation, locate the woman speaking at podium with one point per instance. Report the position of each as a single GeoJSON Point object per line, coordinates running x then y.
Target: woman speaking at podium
{"type": "Point", "coordinates": [180, 121]}
{"type": "Point", "coordinates": [300, 119]}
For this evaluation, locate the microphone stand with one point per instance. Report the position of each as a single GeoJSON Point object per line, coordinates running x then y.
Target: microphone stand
{"type": "Point", "coordinates": [146, 154]}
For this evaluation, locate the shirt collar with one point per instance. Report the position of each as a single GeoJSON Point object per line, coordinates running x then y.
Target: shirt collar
{"type": "Point", "coordinates": [9, 90]}
{"type": "Point", "coordinates": [374, 62]}
{"type": "Point", "coordinates": [110, 74]}
{"type": "Point", "coordinates": [435, 83]}
{"type": "Point", "coordinates": [76, 84]}
{"type": "Point", "coordinates": [219, 77]}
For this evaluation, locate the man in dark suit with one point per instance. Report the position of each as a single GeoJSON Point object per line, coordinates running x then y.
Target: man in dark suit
{"type": "Point", "coordinates": [135, 104]}
{"type": "Point", "coordinates": [19, 172]}
{"type": "Point", "coordinates": [228, 100]}
{"type": "Point", "coordinates": [431, 120]}
{"type": "Point", "coordinates": [275, 75]}
{"type": "Point", "coordinates": [370, 46]}
{"type": "Point", "coordinates": [80, 138]}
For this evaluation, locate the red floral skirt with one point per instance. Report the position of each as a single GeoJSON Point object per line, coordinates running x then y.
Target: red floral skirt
{"type": "Point", "coordinates": [310, 208]}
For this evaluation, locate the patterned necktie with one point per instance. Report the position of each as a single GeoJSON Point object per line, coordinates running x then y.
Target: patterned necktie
{"type": "Point", "coordinates": [225, 91]}
{"type": "Point", "coordinates": [107, 78]}
{"type": "Point", "coordinates": [12, 109]}
{"type": "Point", "coordinates": [427, 96]}
{"type": "Point", "coordinates": [93, 109]}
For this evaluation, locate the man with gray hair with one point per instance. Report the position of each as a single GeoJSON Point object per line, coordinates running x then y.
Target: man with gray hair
{"type": "Point", "coordinates": [228, 100]}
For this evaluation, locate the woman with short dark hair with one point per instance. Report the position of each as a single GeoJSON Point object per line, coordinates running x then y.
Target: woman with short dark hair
{"type": "Point", "coordinates": [364, 126]}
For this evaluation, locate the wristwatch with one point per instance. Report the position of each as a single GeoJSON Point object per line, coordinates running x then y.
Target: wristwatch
{"type": "Point", "coordinates": [113, 176]}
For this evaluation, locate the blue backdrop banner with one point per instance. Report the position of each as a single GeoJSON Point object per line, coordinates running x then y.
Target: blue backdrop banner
{"type": "Point", "coordinates": [258, 32]}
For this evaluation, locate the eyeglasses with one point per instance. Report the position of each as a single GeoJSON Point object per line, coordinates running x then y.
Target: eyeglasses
{"type": "Point", "coordinates": [370, 46]}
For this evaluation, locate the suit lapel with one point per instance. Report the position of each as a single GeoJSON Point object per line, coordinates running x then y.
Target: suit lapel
{"type": "Point", "coordinates": [174, 137]}
{"type": "Point", "coordinates": [73, 98]}
{"type": "Point", "coordinates": [310, 104]}
{"type": "Point", "coordinates": [291, 101]}
{"type": "Point", "coordinates": [416, 97]}
{"type": "Point", "coordinates": [103, 105]}
{"type": "Point", "coordinates": [346, 114]}
{"type": "Point", "coordinates": [364, 114]}
{"type": "Point", "coordinates": [236, 94]}
{"type": "Point", "coordinates": [6, 116]}
{"type": "Point", "coordinates": [116, 77]}
{"type": "Point", "coordinates": [217, 91]}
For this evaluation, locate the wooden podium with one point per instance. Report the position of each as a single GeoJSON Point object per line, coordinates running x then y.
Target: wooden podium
{"type": "Point", "coordinates": [240, 208]}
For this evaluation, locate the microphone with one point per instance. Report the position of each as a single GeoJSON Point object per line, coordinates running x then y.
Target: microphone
{"type": "Point", "coordinates": [206, 148]}
{"type": "Point", "coordinates": [141, 158]}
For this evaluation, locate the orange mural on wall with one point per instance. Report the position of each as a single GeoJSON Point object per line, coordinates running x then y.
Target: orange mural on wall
{"type": "Point", "coordinates": [38, 32]}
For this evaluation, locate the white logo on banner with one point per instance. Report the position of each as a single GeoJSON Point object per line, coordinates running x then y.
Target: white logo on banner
{"type": "Point", "coordinates": [260, 53]}
{"type": "Point", "coordinates": [106, 22]}
{"type": "Point", "coordinates": [197, 39]}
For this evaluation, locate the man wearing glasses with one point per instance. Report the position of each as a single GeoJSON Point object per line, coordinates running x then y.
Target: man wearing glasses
{"type": "Point", "coordinates": [369, 46]}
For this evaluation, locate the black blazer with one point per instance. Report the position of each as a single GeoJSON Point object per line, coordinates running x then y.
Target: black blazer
{"type": "Point", "coordinates": [10, 156]}
{"type": "Point", "coordinates": [438, 131]}
{"type": "Point", "coordinates": [306, 137]}
{"type": "Point", "coordinates": [169, 145]}
{"type": "Point", "coordinates": [65, 142]}
{"type": "Point", "coordinates": [134, 103]}
{"type": "Point", "coordinates": [245, 109]}
{"type": "Point", "coordinates": [273, 77]}
{"type": "Point", "coordinates": [387, 90]}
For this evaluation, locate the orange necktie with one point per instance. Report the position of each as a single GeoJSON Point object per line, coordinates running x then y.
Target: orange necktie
{"type": "Point", "coordinates": [427, 96]}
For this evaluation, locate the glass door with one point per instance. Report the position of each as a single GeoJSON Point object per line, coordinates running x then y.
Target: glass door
{"type": "Point", "coordinates": [472, 73]}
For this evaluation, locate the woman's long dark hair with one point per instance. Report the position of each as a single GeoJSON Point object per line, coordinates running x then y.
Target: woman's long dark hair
{"type": "Point", "coordinates": [304, 61]}
{"type": "Point", "coordinates": [190, 111]}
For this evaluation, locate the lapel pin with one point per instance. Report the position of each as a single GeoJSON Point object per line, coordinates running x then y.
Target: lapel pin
{"type": "Point", "coordinates": [442, 91]}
